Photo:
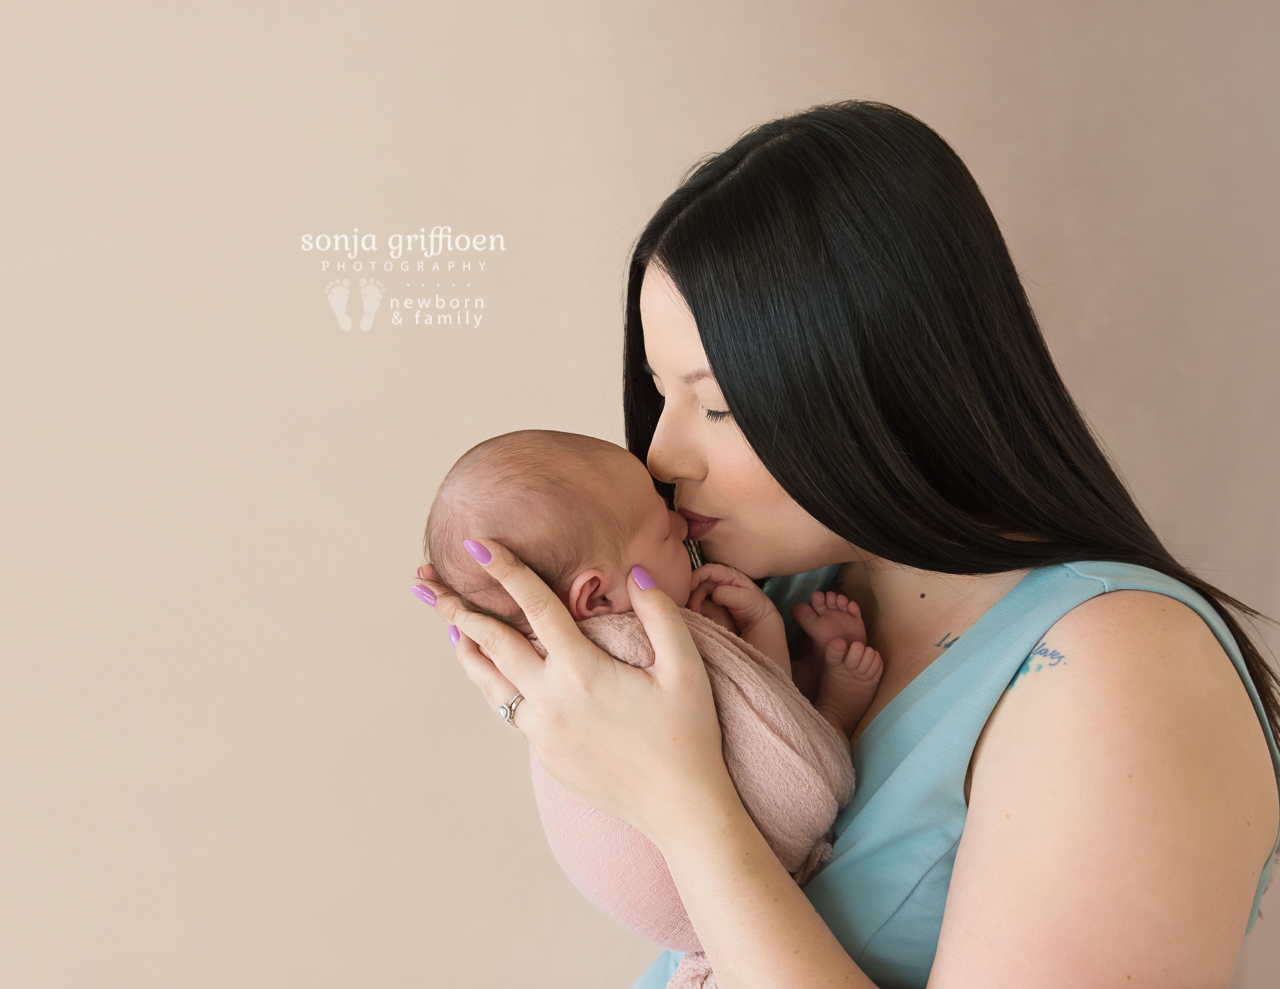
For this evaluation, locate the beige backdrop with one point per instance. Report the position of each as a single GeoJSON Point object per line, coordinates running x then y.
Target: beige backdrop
{"type": "Point", "coordinates": [235, 751]}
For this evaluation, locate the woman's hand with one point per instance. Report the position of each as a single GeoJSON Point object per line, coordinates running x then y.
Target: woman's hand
{"type": "Point", "coordinates": [641, 744]}
{"type": "Point", "coordinates": [644, 745]}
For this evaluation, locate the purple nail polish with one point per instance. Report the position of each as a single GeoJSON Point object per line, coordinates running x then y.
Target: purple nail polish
{"type": "Point", "coordinates": [453, 634]}
{"type": "Point", "coordinates": [642, 578]}
{"type": "Point", "coordinates": [475, 549]}
{"type": "Point", "coordinates": [425, 593]}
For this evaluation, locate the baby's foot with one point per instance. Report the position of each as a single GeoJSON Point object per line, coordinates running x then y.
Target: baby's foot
{"type": "Point", "coordinates": [337, 292]}
{"type": "Point", "coordinates": [371, 296]}
{"type": "Point", "coordinates": [830, 616]}
{"type": "Point", "coordinates": [850, 675]}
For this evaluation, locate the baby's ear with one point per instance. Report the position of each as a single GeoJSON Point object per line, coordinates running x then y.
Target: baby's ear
{"type": "Point", "coordinates": [589, 595]}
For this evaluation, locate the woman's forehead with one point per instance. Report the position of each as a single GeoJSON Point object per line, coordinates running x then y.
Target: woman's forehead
{"type": "Point", "coordinates": [671, 339]}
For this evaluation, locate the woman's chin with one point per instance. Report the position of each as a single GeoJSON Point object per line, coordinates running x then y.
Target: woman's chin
{"type": "Point", "coordinates": [715, 551]}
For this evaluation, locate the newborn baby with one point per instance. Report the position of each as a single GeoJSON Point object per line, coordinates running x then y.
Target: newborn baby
{"type": "Point", "coordinates": [580, 512]}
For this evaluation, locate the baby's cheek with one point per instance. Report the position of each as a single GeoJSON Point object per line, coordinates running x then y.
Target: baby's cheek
{"type": "Point", "coordinates": [675, 578]}
{"type": "Point", "coordinates": [680, 591]}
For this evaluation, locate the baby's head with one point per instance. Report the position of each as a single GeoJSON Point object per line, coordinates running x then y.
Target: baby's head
{"type": "Point", "coordinates": [579, 511]}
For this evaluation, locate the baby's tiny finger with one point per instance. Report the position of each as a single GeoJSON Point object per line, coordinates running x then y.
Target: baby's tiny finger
{"type": "Point", "coordinates": [731, 597]}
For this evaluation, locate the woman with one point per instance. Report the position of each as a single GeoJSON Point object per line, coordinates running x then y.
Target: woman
{"type": "Point", "coordinates": [1069, 774]}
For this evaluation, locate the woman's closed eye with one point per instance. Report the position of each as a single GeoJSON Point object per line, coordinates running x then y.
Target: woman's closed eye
{"type": "Point", "coordinates": [715, 415]}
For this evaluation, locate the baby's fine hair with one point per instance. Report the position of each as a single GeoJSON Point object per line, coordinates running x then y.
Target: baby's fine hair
{"type": "Point", "coordinates": [528, 490]}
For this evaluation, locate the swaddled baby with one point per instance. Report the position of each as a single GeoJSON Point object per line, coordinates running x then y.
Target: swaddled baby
{"type": "Point", "coordinates": [581, 512]}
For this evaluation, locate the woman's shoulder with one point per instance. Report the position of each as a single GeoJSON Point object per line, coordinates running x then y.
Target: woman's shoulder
{"type": "Point", "coordinates": [1149, 647]}
{"type": "Point", "coordinates": [1113, 628]}
{"type": "Point", "coordinates": [1125, 766]}
{"type": "Point", "coordinates": [1127, 660]}
{"type": "Point", "coordinates": [1138, 674]}
{"type": "Point", "coordinates": [1131, 705]}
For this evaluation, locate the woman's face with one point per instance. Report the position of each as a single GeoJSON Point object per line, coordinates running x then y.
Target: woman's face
{"type": "Point", "coordinates": [751, 523]}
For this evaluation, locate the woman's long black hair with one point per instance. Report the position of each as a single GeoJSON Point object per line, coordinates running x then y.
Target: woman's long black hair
{"type": "Point", "coordinates": [869, 332]}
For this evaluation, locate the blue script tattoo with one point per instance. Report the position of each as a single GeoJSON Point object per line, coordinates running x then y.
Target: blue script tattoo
{"type": "Point", "coordinates": [1033, 664]}
{"type": "Point", "coordinates": [944, 644]}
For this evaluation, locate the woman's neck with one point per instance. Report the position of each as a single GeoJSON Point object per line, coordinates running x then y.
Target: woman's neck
{"type": "Point", "coordinates": [902, 602]}
{"type": "Point", "coordinates": [914, 616]}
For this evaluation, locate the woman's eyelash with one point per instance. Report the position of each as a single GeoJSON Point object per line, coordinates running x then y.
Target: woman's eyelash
{"type": "Point", "coordinates": [715, 416]}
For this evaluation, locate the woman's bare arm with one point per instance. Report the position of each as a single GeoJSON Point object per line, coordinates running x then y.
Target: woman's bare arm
{"type": "Point", "coordinates": [1122, 806]}
{"type": "Point", "coordinates": [758, 929]}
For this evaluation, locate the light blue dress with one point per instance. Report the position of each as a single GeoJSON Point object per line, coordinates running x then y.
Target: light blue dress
{"type": "Point", "coordinates": [884, 890]}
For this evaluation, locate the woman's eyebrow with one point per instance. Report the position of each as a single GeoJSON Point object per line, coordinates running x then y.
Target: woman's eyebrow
{"type": "Point", "coordinates": [688, 379]}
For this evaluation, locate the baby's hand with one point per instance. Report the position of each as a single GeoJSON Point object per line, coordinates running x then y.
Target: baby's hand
{"type": "Point", "coordinates": [830, 616]}
{"type": "Point", "coordinates": [717, 584]}
{"type": "Point", "coordinates": [717, 614]}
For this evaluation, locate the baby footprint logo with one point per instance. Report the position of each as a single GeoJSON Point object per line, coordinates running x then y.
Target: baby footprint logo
{"type": "Point", "coordinates": [371, 295]}
{"type": "Point", "coordinates": [337, 292]}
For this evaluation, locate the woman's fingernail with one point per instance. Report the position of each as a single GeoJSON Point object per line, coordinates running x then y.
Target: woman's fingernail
{"type": "Point", "coordinates": [425, 593]}
{"type": "Point", "coordinates": [475, 549]}
{"type": "Point", "coordinates": [453, 634]}
{"type": "Point", "coordinates": [642, 578]}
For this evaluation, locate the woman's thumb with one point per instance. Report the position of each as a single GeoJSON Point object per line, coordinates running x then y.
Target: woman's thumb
{"type": "Point", "coordinates": [672, 643]}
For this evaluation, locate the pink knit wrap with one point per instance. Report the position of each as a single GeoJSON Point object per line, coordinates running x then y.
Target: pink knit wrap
{"type": "Point", "coordinates": [790, 766]}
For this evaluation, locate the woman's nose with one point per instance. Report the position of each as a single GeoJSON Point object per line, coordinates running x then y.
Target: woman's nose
{"type": "Point", "coordinates": [670, 460]}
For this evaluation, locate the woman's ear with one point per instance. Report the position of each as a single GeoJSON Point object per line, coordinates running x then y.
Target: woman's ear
{"type": "Point", "coordinates": [589, 595]}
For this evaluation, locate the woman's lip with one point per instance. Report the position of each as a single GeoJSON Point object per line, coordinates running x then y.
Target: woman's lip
{"type": "Point", "coordinates": [699, 525]}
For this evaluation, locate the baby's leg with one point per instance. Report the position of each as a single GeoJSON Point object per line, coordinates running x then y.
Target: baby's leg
{"type": "Point", "coordinates": [850, 675]}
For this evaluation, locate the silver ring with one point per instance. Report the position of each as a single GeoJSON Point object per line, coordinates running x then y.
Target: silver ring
{"type": "Point", "coordinates": [508, 710]}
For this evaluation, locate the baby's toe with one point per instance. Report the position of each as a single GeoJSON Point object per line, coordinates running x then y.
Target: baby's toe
{"type": "Point", "coordinates": [842, 603]}
{"type": "Point", "coordinates": [869, 665]}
